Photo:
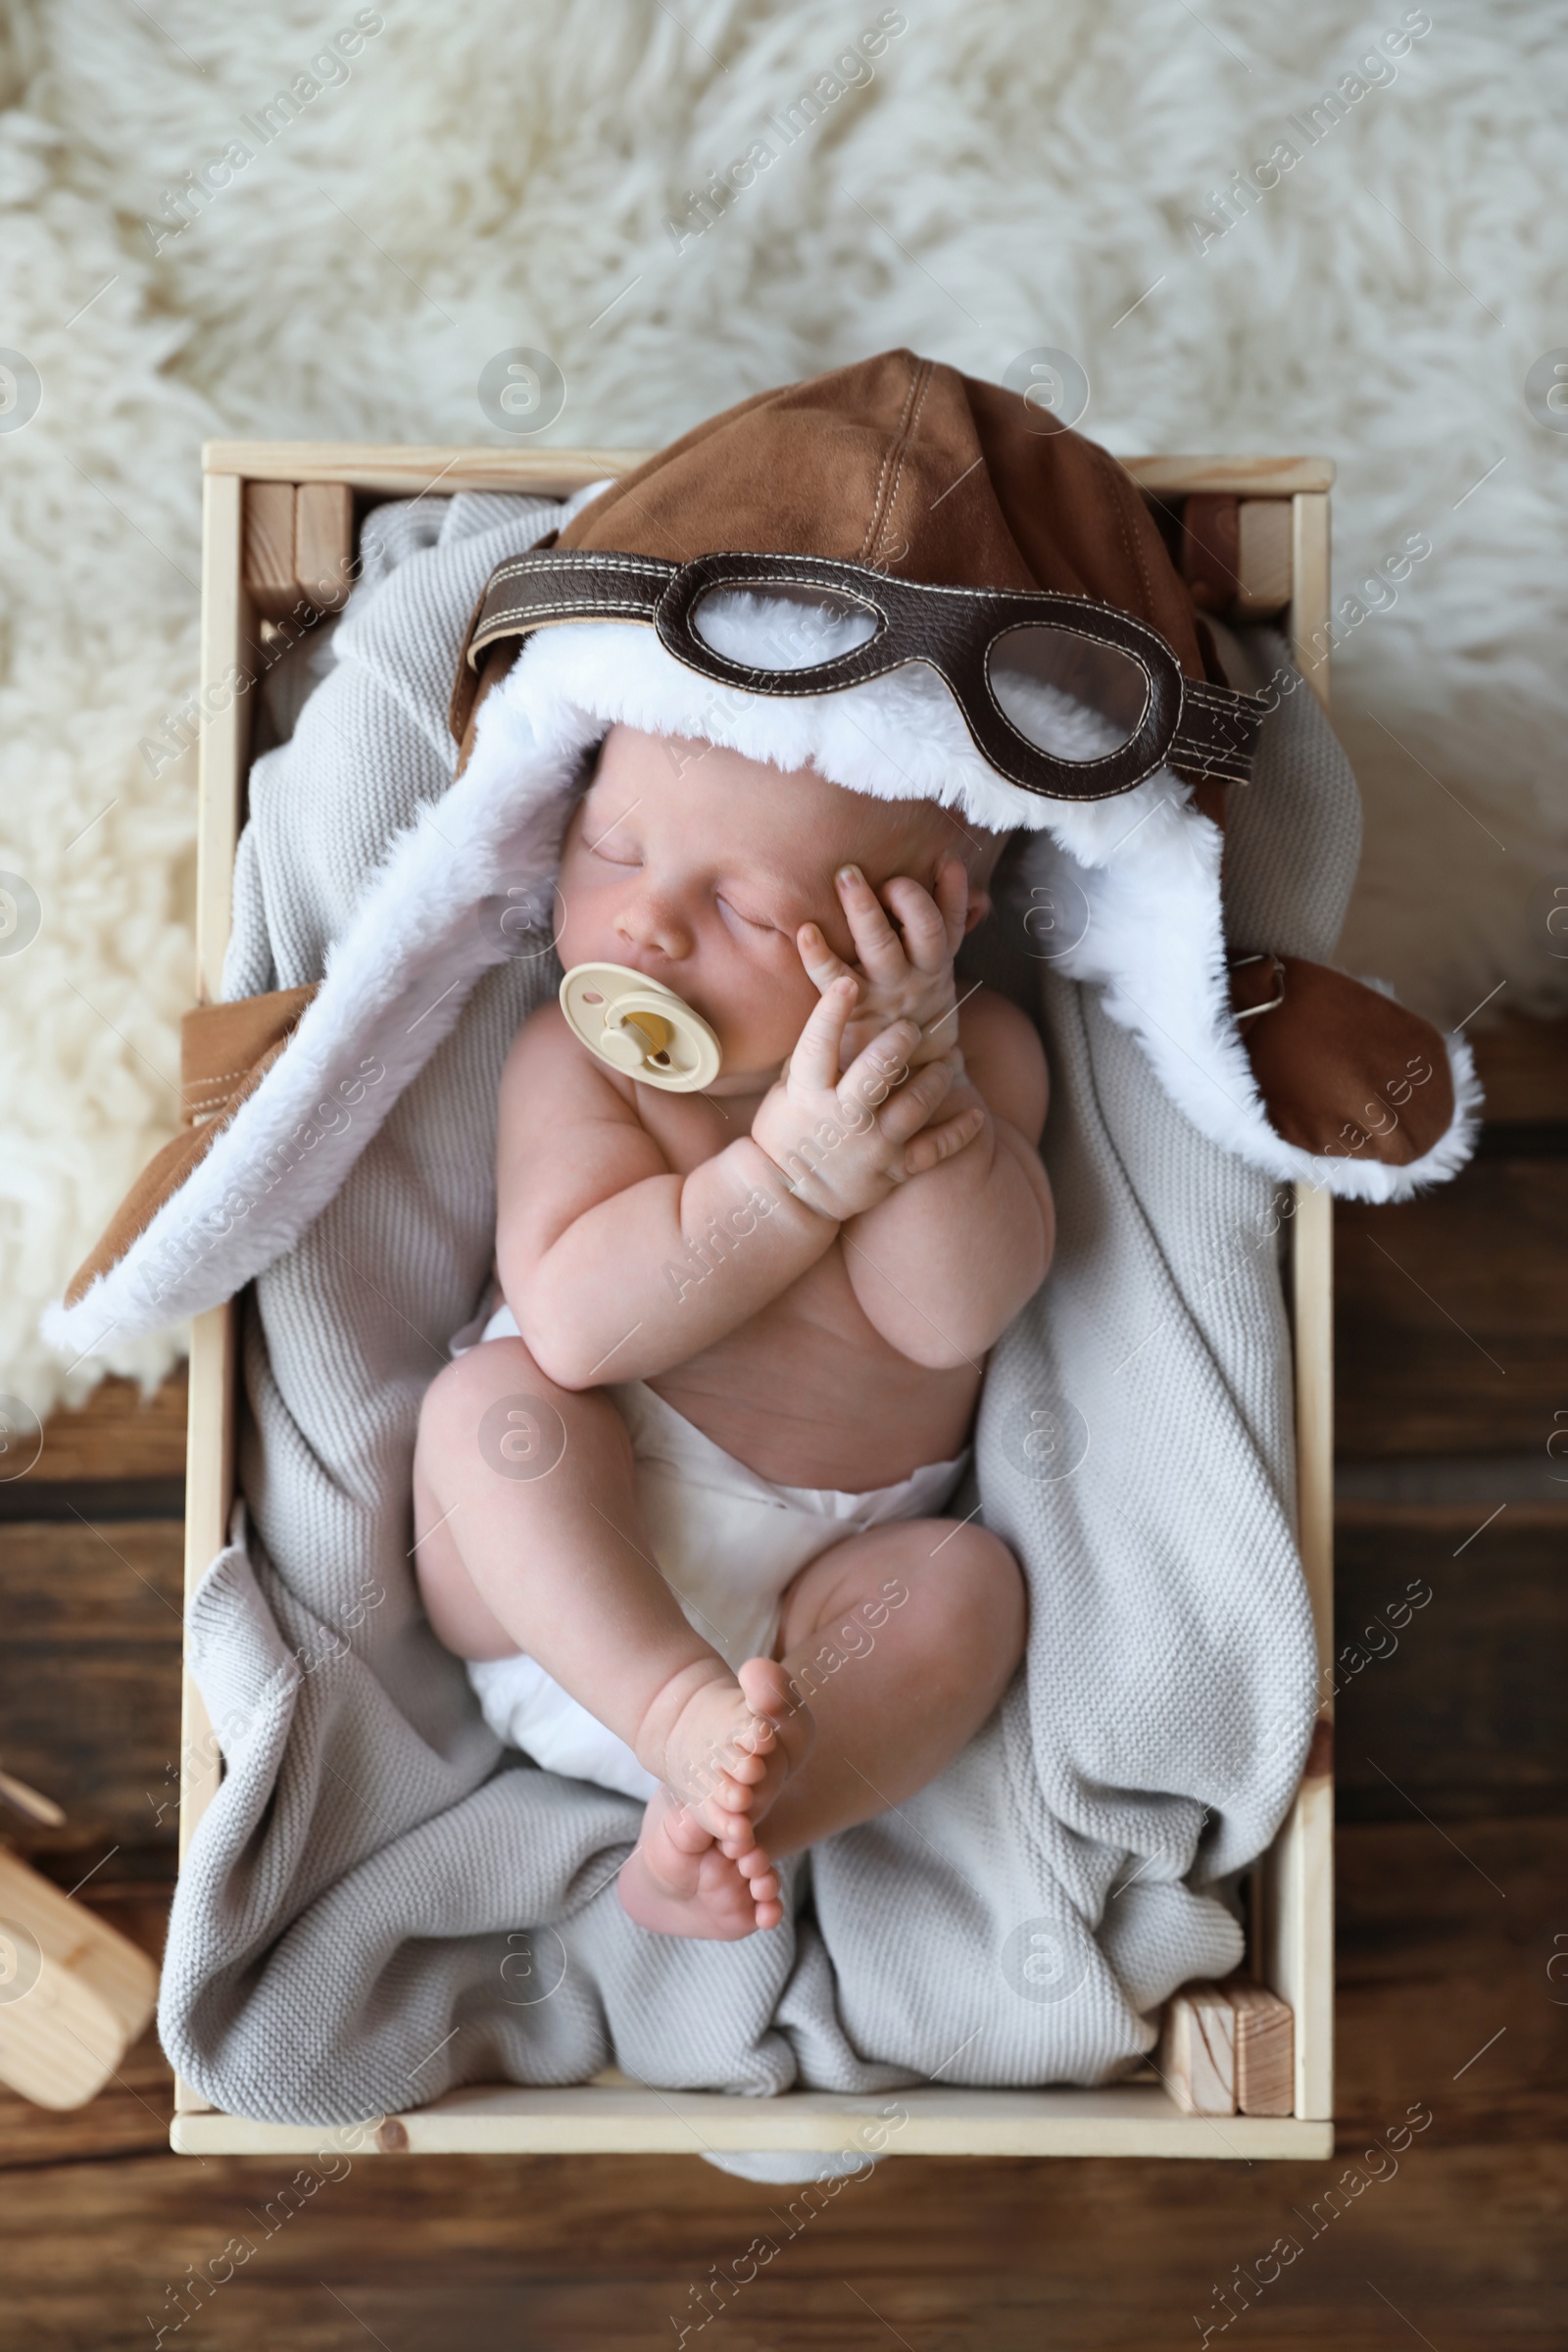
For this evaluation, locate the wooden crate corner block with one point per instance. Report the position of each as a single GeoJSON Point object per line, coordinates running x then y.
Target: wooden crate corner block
{"type": "Point", "coordinates": [1266, 2049]}
{"type": "Point", "coordinates": [1228, 2049]}
{"type": "Point", "coordinates": [1264, 560]}
{"type": "Point", "coordinates": [268, 559]}
{"type": "Point", "coordinates": [1237, 552]}
{"type": "Point", "coordinates": [324, 543]}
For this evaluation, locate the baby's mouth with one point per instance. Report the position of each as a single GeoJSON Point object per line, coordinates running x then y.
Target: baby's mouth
{"type": "Point", "coordinates": [732, 1078]}
{"type": "Point", "coordinates": [666, 974]}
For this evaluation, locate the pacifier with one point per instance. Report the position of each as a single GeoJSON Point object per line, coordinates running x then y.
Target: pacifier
{"type": "Point", "coordinates": [640, 1027]}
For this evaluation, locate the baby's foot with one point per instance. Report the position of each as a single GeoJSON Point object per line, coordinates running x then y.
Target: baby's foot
{"type": "Point", "coordinates": [731, 1749]}
{"type": "Point", "coordinates": [678, 1883]}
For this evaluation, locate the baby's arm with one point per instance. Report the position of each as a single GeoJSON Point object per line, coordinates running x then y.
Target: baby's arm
{"type": "Point", "coordinates": [944, 1263]}
{"type": "Point", "coordinates": [596, 1231]}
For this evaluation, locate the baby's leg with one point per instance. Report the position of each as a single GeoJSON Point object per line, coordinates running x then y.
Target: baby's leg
{"type": "Point", "coordinates": [901, 1642]}
{"type": "Point", "coordinates": [512, 1475]}
{"type": "Point", "coordinates": [527, 1537]}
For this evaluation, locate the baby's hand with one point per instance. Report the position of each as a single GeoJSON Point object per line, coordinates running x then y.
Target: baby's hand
{"type": "Point", "coordinates": [845, 1143]}
{"type": "Point", "coordinates": [908, 979]}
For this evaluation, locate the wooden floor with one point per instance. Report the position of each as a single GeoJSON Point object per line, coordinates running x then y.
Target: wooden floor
{"type": "Point", "coordinates": [1454, 1927]}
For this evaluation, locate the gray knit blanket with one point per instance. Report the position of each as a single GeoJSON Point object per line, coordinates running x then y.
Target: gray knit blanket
{"type": "Point", "coordinates": [380, 1902]}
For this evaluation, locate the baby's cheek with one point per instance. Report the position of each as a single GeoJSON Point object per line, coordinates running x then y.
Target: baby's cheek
{"type": "Point", "coordinates": [760, 1009]}
{"type": "Point", "coordinates": [585, 927]}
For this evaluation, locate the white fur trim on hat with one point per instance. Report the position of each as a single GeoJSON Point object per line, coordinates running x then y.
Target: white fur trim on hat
{"type": "Point", "coordinates": [1145, 862]}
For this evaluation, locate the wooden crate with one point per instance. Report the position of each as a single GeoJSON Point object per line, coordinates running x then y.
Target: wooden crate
{"type": "Point", "coordinates": [1292, 1920]}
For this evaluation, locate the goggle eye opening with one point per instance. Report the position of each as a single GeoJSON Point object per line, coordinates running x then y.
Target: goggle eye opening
{"type": "Point", "coordinates": [1073, 696]}
{"type": "Point", "coordinates": [779, 627]}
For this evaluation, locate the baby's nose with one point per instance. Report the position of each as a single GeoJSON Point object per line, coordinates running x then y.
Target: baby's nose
{"type": "Point", "coordinates": [654, 923]}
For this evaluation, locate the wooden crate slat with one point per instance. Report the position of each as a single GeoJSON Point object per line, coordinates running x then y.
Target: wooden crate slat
{"type": "Point", "coordinates": [1309, 589]}
{"type": "Point", "coordinates": [409, 471]}
{"type": "Point", "coordinates": [1131, 2120]}
{"type": "Point", "coordinates": [227, 635]}
{"type": "Point", "coordinates": [394, 467]}
{"type": "Point", "coordinates": [1245, 478]}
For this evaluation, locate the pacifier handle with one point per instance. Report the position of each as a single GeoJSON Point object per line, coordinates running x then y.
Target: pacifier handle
{"type": "Point", "coordinates": [640, 1027]}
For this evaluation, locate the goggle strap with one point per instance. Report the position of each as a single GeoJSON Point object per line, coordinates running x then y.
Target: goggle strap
{"type": "Point", "coordinates": [1216, 735]}
{"type": "Point", "coordinates": [1218, 730]}
{"type": "Point", "coordinates": [530, 592]}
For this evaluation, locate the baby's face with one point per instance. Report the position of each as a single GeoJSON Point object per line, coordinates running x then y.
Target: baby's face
{"type": "Point", "coordinates": [694, 865]}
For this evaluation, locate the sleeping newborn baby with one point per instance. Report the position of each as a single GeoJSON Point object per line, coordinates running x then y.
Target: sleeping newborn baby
{"type": "Point", "coordinates": [682, 1511]}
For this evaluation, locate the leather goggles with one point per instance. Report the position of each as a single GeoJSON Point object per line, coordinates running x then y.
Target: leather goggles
{"type": "Point", "coordinates": [1007, 657]}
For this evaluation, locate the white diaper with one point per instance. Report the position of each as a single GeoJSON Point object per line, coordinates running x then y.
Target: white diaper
{"type": "Point", "coordinates": [727, 1543]}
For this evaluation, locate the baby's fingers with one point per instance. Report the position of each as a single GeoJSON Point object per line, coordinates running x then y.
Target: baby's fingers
{"type": "Point", "coordinates": [923, 922]}
{"type": "Point", "coordinates": [907, 1111]}
{"type": "Point", "coordinates": [933, 1145]}
{"type": "Point", "coordinates": [876, 943]}
{"type": "Point", "coordinates": [873, 1074]}
{"type": "Point", "coordinates": [822, 966]}
{"type": "Point", "coordinates": [815, 1063]}
{"type": "Point", "coordinates": [953, 897]}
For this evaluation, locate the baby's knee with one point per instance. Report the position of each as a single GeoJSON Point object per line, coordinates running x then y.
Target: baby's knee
{"type": "Point", "coordinates": [463, 1391]}
{"type": "Point", "coordinates": [983, 1593]}
{"type": "Point", "coordinates": [494, 1400]}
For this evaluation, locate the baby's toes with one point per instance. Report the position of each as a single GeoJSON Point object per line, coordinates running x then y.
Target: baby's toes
{"type": "Point", "coordinates": [766, 1689]}
{"type": "Point", "coordinates": [737, 1835]}
{"type": "Point", "coordinates": [727, 1899]}
{"type": "Point", "coordinates": [725, 1813]}
{"type": "Point", "coordinates": [769, 1694]}
{"type": "Point", "coordinates": [762, 1881]}
{"type": "Point", "coordinates": [756, 1869]}
{"type": "Point", "coordinates": [759, 1737]}
{"type": "Point", "coordinates": [728, 1793]}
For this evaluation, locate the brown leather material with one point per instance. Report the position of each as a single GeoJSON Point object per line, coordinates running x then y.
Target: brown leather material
{"type": "Point", "coordinates": [466, 688]}
{"type": "Point", "coordinates": [1208, 792]}
{"type": "Point", "coordinates": [1211, 544]}
{"type": "Point", "coordinates": [903, 464]}
{"type": "Point", "coordinates": [498, 659]}
{"type": "Point", "coordinates": [220, 1047]}
{"type": "Point", "coordinates": [226, 1050]}
{"type": "Point", "coordinates": [1343, 1070]}
{"type": "Point", "coordinates": [1193, 722]}
{"type": "Point", "coordinates": [474, 680]}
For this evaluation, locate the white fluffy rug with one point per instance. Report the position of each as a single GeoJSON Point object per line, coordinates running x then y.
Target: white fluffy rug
{"type": "Point", "coordinates": [998, 179]}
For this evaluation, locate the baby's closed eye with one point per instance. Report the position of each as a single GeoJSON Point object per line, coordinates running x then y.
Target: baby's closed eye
{"type": "Point", "coordinates": [752, 918]}
{"type": "Point", "coordinates": [613, 845]}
